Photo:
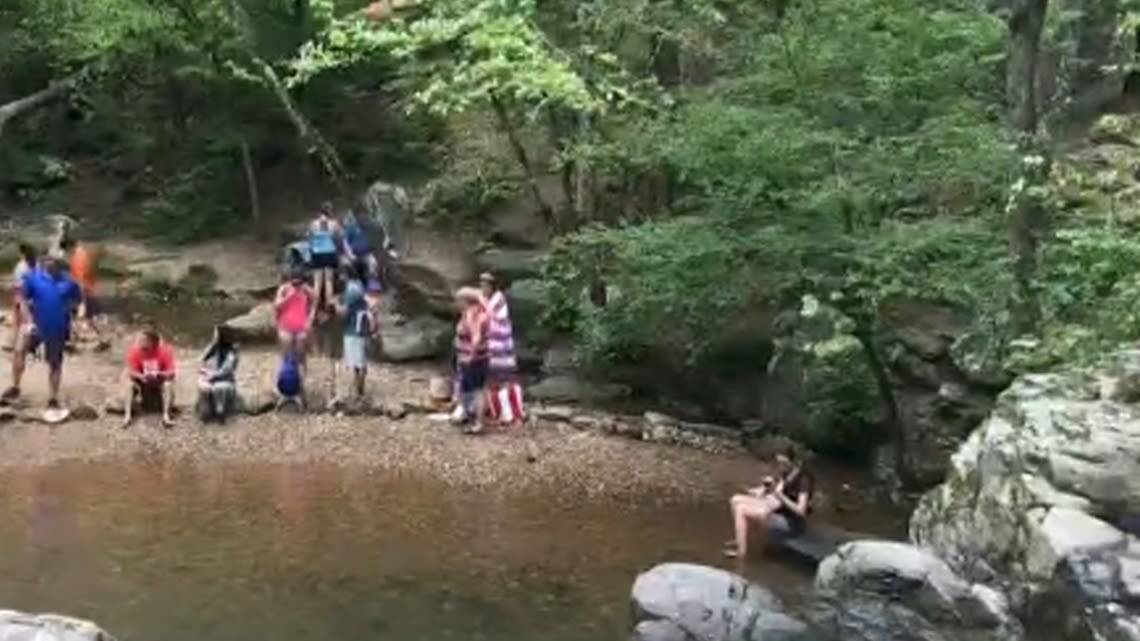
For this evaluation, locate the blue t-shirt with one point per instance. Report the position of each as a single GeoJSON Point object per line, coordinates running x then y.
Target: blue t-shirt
{"type": "Point", "coordinates": [322, 240]}
{"type": "Point", "coordinates": [357, 240]}
{"type": "Point", "coordinates": [52, 298]}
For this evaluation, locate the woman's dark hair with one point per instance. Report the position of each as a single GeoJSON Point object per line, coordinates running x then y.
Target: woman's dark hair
{"type": "Point", "coordinates": [223, 341]}
{"type": "Point", "coordinates": [225, 335]}
{"type": "Point", "coordinates": [28, 252]}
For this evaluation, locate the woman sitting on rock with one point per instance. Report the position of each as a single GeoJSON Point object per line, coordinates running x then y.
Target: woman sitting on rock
{"type": "Point", "coordinates": [781, 505]}
{"type": "Point", "coordinates": [217, 382]}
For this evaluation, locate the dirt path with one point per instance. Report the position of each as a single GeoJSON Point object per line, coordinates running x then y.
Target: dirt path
{"type": "Point", "coordinates": [540, 454]}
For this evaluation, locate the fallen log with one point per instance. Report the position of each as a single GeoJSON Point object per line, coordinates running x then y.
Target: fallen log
{"type": "Point", "coordinates": [21, 106]}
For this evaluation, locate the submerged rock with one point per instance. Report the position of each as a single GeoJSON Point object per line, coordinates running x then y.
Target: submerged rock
{"type": "Point", "coordinates": [698, 603]}
{"type": "Point", "coordinates": [1032, 494]}
{"type": "Point", "coordinates": [21, 626]}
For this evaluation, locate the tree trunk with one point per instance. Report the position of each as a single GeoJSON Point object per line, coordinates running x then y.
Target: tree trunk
{"type": "Point", "coordinates": [1026, 209]}
{"type": "Point", "coordinates": [29, 103]}
{"type": "Point", "coordinates": [523, 158]}
{"type": "Point", "coordinates": [584, 179]}
{"type": "Point", "coordinates": [1026, 23]}
{"type": "Point", "coordinates": [251, 183]}
{"type": "Point", "coordinates": [895, 429]}
{"type": "Point", "coordinates": [325, 152]}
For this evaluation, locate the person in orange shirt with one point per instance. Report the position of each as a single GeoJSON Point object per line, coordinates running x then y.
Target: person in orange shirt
{"type": "Point", "coordinates": [83, 270]}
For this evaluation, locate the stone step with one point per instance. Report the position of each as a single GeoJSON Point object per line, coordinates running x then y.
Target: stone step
{"type": "Point", "coordinates": [817, 543]}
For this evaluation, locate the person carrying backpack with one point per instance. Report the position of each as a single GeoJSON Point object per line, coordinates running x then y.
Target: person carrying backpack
{"type": "Point", "coordinates": [359, 327]}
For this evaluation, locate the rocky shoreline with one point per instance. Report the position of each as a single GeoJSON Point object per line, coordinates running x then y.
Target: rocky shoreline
{"type": "Point", "coordinates": [1031, 536]}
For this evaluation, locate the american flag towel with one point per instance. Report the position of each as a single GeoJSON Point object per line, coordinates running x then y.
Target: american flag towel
{"type": "Point", "coordinates": [501, 341]}
{"type": "Point", "coordinates": [505, 403]}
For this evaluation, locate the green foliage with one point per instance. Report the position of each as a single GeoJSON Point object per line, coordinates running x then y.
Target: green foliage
{"type": "Point", "coordinates": [854, 156]}
{"type": "Point", "coordinates": [1091, 297]}
{"type": "Point", "coordinates": [844, 408]}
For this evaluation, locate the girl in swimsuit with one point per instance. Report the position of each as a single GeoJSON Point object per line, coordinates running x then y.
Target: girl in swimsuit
{"type": "Point", "coordinates": [295, 306]}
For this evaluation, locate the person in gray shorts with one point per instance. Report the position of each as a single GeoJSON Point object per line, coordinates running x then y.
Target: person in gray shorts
{"type": "Point", "coordinates": [359, 326]}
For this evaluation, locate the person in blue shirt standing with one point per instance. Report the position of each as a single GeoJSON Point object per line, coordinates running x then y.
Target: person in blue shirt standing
{"type": "Point", "coordinates": [51, 296]}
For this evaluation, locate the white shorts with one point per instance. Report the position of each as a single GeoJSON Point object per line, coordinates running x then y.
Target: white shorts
{"type": "Point", "coordinates": [356, 352]}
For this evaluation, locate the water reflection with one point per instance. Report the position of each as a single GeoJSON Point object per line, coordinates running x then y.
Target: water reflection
{"type": "Point", "coordinates": [166, 552]}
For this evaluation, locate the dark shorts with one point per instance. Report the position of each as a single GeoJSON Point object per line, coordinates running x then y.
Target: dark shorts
{"type": "Point", "coordinates": [148, 396]}
{"type": "Point", "coordinates": [92, 307]}
{"type": "Point", "coordinates": [787, 523]}
{"type": "Point", "coordinates": [472, 376]}
{"type": "Point", "coordinates": [54, 348]}
{"type": "Point", "coordinates": [324, 261]}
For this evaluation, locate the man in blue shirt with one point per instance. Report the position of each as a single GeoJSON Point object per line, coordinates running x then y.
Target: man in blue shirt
{"type": "Point", "coordinates": [51, 296]}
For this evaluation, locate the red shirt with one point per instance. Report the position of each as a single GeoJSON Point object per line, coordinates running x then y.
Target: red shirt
{"type": "Point", "coordinates": [150, 362]}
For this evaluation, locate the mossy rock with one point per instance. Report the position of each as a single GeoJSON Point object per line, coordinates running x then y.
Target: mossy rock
{"type": "Point", "coordinates": [1116, 128]}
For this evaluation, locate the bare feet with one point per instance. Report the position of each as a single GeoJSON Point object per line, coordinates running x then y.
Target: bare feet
{"type": "Point", "coordinates": [167, 422]}
{"type": "Point", "coordinates": [126, 422]}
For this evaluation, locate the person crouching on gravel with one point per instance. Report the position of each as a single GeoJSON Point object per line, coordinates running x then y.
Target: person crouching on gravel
{"type": "Point", "coordinates": [150, 377]}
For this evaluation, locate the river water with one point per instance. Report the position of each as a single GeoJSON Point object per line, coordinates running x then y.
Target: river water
{"type": "Point", "coordinates": [164, 551]}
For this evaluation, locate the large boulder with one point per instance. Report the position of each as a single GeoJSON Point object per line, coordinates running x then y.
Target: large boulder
{"type": "Point", "coordinates": [527, 300]}
{"type": "Point", "coordinates": [914, 578]}
{"type": "Point", "coordinates": [510, 265]}
{"type": "Point", "coordinates": [415, 339]}
{"type": "Point", "coordinates": [1036, 495]}
{"type": "Point", "coordinates": [258, 325]}
{"type": "Point", "coordinates": [570, 388]}
{"type": "Point", "coordinates": [941, 389]}
{"type": "Point", "coordinates": [682, 601]}
{"type": "Point", "coordinates": [22, 626]}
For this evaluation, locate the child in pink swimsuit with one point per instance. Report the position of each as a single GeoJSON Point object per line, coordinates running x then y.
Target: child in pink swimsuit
{"type": "Point", "coordinates": [295, 308]}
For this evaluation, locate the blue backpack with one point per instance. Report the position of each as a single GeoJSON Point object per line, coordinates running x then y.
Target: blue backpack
{"type": "Point", "coordinates": [289, 377]}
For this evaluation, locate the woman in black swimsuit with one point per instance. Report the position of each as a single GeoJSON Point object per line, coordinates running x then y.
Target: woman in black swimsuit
{"type": "Point", "coordinates": [784, 503]}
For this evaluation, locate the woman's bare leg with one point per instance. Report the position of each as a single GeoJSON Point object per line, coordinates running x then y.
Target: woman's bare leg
{"type": "Point", "coordinates": [745, 507]}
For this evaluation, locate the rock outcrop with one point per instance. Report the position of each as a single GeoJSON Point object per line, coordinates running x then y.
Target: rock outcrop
{"type": "Point", "coordinates": [685, 602]}
{"type": "Point", "coordinates": [881, 590]}
{"type": "Point", "coordinates": [1041, 498]}
{"type": "Point", "coordinates": [21, 626]}
{"type": "Point", "coordinates": [401, 340]}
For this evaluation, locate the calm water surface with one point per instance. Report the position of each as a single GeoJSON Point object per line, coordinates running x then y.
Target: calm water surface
{"type": "Point", "coordinates": [160, 551]}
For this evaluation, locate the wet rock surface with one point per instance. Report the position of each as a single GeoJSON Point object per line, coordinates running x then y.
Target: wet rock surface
{"type": "Point", "coordinates": [22, 626]}
{"type": "Point", "coordinates": [698, 603]}
{"type": "Point", "coordinates": [1040, 498]}
{"type": "Point", "coordinates": [881, 589]}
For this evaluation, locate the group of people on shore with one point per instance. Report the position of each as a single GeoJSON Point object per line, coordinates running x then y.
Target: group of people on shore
{"type": "Point", "coordinates": [336, 253]}
{"type": "Point", "coordinates": [50, 293]}
{"type": "Point", "coordinates": [52, 289]}
{"type": "Point", "coordinates": [338, 279]}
